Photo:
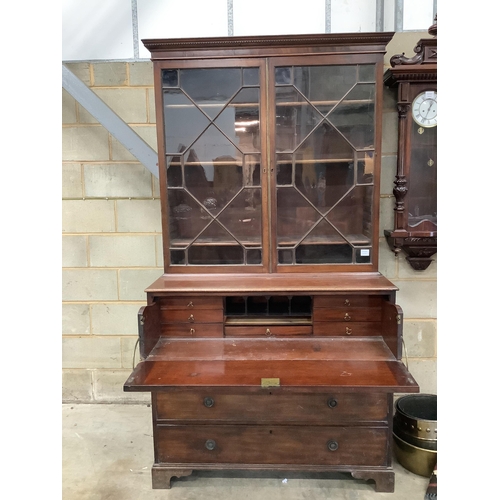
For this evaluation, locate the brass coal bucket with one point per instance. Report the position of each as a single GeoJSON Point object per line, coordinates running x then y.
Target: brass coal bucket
{"type": "Point", "coordinates": [415, 433]}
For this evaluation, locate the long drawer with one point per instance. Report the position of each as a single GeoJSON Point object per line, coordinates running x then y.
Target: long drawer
{"type": "Point", "coordinates": [215, 405]}
{"type": "Point", "coordinates": [271, 444]}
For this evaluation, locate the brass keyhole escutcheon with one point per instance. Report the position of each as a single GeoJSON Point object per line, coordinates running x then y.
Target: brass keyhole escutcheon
{"type": "Point", "coordinates": [333, 445]}
{"type": "Point", "coordinates": [191, 318]}
{"type": "Point", "coordinates": [192, 331]}
{"type": "Point", "coordinates": [332, 403]}
{"type": "Point", "coordinates": [347, 317]}
{"type": "Point", "coordinates": [347, 302]}
{"type": "Point", "coordinates": [210, 444]}
{"type": "Point", "coordinates": [348, 330]}
{"type": "Point", "coordinates": [190, 304]}
{"type": "Point", "coordinates": [268, 332]}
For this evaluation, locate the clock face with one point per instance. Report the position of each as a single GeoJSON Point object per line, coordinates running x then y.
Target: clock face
{"type": "Point", "coordinates": [424, 109]}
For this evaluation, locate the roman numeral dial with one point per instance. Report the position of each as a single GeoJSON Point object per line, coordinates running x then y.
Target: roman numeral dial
{"type": "Point", "coordinates": [424, 109]}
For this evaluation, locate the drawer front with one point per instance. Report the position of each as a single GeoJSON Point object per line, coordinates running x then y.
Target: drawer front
{"type": "Point", "coordinates": [192, 330]}
{"type": "Point", "coordinates": [271, 406]}
{"type": "Point", "coordinates": [190, 303]}
{"type": "Point", "coordinates": [352, 329]}
{"type": "Point", "coordinates": [348, 301]}
{"type": "Point", "coordinates": [186, 316]}
{"type": "Point", "coordinates": [267, 331]}
{"type": "Point", "coordinates": [261, 444]}
{"type": "Point", "coordinates": [348, 314]}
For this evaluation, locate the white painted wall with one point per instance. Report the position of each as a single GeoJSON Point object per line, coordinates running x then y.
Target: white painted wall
{"type": "Point", "coordinates": [104, 29]}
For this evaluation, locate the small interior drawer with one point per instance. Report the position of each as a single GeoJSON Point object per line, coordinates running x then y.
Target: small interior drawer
{"type": "Point", "coordinates": [267, 330]}
{"type": "Point", "coordinates": [347, 329]}
{"type": "Point", "coordinates": [193, 330]}
{"type": "Point", "coordinates": [347, 301]}
{"type": "Point", "coordinates": [191, 303]}
{"type": "Point", "coordinates": [348, 314]}
{"type": "Point", "coordinates": [191, 316]}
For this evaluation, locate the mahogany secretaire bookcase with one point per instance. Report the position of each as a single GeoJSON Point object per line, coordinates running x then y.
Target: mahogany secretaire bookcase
{"type": "Point", "coordinates": [271, 341]}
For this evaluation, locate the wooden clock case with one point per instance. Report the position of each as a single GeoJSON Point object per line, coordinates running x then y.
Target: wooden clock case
{"type": "Point", "coordinates": [271, 341]}
{"type": "Point", "coordinates": [411, 77]}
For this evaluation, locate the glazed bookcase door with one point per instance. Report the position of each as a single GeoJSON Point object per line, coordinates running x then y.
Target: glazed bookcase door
{"type": "Point", "coordinates": [270, 164]}
{"type": "Point", "coordinates": [215, 192]}
{"type": "Point", "coordinates": [325, 185]}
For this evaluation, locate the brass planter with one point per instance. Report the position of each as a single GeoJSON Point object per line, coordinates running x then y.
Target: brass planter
{"type": "Point", "coordinates": [415, 433]}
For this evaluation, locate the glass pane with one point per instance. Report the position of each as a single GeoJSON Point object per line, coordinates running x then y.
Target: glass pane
{"type": "Point", "coordinates": [355, 116]}
{"type": "Point", "coordinates": [174, 171]}
{"type": "Point", "coordinates": [421, 199]}
{"type": "Point", "coordinates": [325, 85]}
{"type": "Point", "coordinates": [325, 143]}
{"type": "Point", "coordinates": [324, 184]}
{"type": "Point", "coordinates": [283, 76]}
{"type": "Point", "coordinates": [284, 169]}
{"type": "Point", "coordinates": [251, 170]}
{"type": "Point", "coordinates": [285, 256]}
{"type": "Point", "coordinates": [240, 120]}
{"type": "Point", "coordinates": [363, 255]}
{"type": "Point", "coordinates": [324, 254]}
{"type": "Point", "coordinates": [186, 217]}
{"type": "Point", "coordinates": [215, 255]}
{"type": "Point", "coordinates": [254, 256]}
{"type": "Point", "coordinates": [352, 216]}
{"type": "Point", "coordinates": [184, 122]}
{"type": "Point", "coordinates": [177, 257]}
{"type": "Point", "coordinates": [365, 168]}
{"type": "Point", "coordinates": [251, 76]}
{"type": "Point", "coordinates": [243, 217]}
{"type": "Point", "coordinates": [295, 118]}
{"type": "Point", "coordinates": [366, 73]}
{"type": "Point", "coordinates": [170, 77]}
{"type": "Point", "coordinates": [211, 88]}
{"type": "Point", "coordinates": [295, 216]}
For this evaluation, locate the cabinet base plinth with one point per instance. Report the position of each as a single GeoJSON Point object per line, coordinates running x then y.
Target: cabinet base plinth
{"type": "Point", "coordinates": [384, 480]}
{"type": "Point", "coordinates": [161, 476]}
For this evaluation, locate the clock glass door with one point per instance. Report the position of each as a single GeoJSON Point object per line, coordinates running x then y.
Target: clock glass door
{"type": "Point", "coordinates": [421, 198]}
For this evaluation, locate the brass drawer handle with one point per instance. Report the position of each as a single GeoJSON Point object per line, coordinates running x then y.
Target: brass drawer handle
{"type": "Point", "coordinates": [268, 332]}
{"type": "Point", "coordinates": [348, 330]}
{"type": "Point", "coordinates": [191, 318]}
{"type": "Point", "coordinates": [190, 304]}
{"type": "Point", "coordinates": [332, 445]}
{"type": "Point", "coordinates": [210, 444]}
{"type": "Point", "coordinates": [192, 331]}
{"type": "Point", "coordinates": [332, 403]}
{"type": "Point", "coordinates": [208, 402]}
{"type": "Point", "coordinates": [347, 317]}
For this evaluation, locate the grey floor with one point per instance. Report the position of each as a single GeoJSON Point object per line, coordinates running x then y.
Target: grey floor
{"type": "Point", "coordinates": [108, 452]}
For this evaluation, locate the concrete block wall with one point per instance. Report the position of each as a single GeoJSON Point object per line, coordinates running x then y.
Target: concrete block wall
{"type": "Point", "coordinates": [112, 237]}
